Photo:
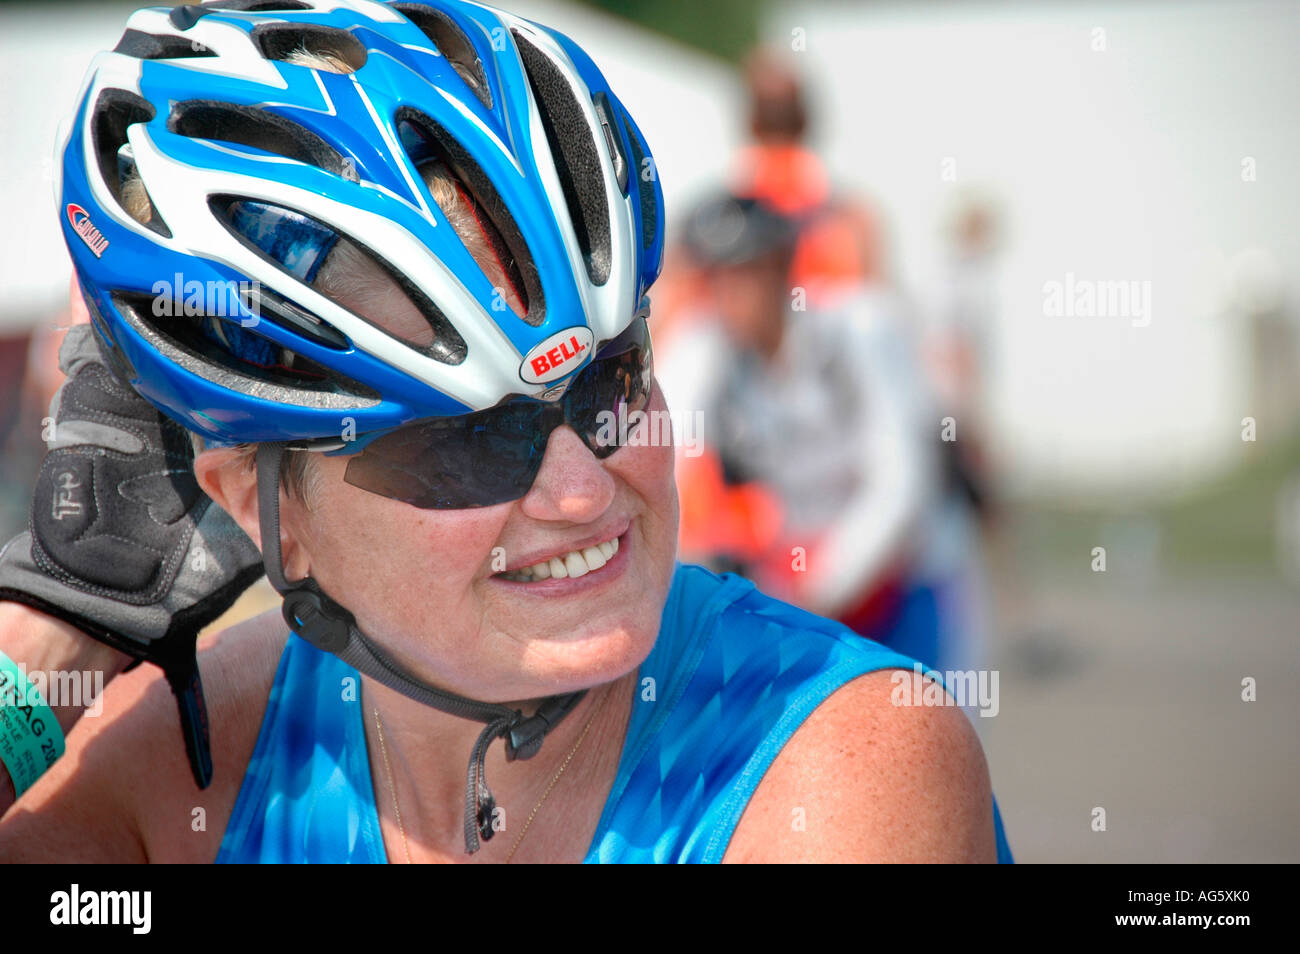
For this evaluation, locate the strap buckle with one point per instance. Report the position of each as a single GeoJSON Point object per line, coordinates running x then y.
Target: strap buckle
{"type": "Point", "coordinates": [317, 619]}
{"type": "Point", "coordinates": [524, 737]}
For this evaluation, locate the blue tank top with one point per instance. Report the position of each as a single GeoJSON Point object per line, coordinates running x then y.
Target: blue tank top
{"type": "Point", "coordinates": [731, 677]}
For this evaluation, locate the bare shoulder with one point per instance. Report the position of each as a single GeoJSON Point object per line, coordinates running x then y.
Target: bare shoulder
{"type": "Point", "coordinates": [124, 791]}
{"type": "Point", "coordinates": [865, 779]}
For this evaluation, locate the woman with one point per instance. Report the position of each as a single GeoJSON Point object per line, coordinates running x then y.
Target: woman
{"type": "Point", "coordinates": [430, 228]}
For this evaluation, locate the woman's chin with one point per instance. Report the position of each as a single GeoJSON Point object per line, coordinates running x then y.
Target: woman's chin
{"type": "Point", "coordinates": [571, 661]}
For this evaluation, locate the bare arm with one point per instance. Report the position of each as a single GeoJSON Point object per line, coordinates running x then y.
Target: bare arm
{"type": "Point", "coordinates": [123, 792]}
{"type": "Point", "coordinates": [864, 780]}
{"type": "Point", "coordinates": [43, 643]}
{"type": "Point", "coordinates": [78, 811]}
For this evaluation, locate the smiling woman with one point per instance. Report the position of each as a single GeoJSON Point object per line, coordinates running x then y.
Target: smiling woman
{"type": "Point", "coordinates": [463, 556]}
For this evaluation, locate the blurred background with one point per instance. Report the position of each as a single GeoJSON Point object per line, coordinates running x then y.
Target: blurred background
{"type": "Point", "coordinates": [1068, 234]}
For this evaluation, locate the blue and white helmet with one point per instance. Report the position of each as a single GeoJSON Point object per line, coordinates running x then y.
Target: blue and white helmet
{"type": "Point", "coordinates": [255, 167]}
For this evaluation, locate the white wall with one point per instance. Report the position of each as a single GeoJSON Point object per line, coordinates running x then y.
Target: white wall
{"type": "Point", "coordinates": [1115, 164]}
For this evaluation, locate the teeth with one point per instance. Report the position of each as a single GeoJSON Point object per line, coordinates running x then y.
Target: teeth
{"type": "Point", "coordinates": [573, 564]}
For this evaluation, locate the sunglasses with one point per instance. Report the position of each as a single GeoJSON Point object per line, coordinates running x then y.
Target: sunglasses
{"type": "Point", "coordinates": [493, 456]}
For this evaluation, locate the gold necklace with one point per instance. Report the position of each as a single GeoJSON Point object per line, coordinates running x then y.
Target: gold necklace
{"type": "Point", "coordinates": [565, 764]}
{"type": "Point", "coordinates": [392, 787]}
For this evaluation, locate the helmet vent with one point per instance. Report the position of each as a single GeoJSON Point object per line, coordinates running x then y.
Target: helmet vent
{"type": "Point", "coordinates": [257, 129]}
{"type": "Point", "coordinates": [115, 111]}
{"type": "Point", "coordinates": [646, 192]}
{"type": "Point", "coordinates": [612, 138]}
{"type": "Point", "coordinates": [576, 158]}
{"type": "Point", "coordinates": [221, 350]}
{"type": "Point", "coordinates": [451, 41]}
{"type": "Point", "coordinates": [184, 17]}
{"type": "Point", "coordinates": [281, 41]}
{"type": "Point", "coordinates": [266, 303]}
{"type": "Point", "coordinates": [355, 278]}
{"type": "Point", "coordinates": [426, 140]}
{"type": "Point", "coordinates": [150, 46]}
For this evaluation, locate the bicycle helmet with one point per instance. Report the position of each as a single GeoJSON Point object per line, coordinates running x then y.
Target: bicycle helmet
{"type": "Point", "coordinates": [255, 167]}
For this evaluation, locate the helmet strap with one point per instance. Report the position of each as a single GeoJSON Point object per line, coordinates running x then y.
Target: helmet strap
{"type": "Point", "coordinates": [329, 626]}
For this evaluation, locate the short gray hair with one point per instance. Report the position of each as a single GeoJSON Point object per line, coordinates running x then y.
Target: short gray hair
{"type": "Point", "coordinates": [299, 477]}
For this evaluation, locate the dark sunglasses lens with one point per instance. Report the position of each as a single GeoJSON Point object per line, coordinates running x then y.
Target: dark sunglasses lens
{"type": "Point", "coordinates": [601, 403]}
{"type": "Point", "coordinates": [493, 456]}
{"type": "Point", "coordinates": [454, 463]}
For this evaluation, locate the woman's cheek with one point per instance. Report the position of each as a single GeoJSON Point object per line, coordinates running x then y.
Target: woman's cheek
{"type": "Point", "coordinates": [647, 464]}
{"type": "Point", "coordinates": [395, 564]}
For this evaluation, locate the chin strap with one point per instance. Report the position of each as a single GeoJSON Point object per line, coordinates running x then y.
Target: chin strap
{"type": "Point", "coordinates": [330, 627]}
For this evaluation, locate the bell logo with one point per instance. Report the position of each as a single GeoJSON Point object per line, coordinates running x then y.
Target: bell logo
{"type": "Point", "coordinates": [558, 355]}
{"type": "Point", "coordinates": [79, 219]}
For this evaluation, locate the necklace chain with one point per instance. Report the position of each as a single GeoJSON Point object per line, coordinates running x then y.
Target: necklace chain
{"type": "Point", "coordinates": [545, 795]}
{"type": "Point", "coordinates": [392, 786]}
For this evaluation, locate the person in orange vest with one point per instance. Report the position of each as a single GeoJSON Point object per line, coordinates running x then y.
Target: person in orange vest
{"type": "Point", "coordinates": [838, 244]}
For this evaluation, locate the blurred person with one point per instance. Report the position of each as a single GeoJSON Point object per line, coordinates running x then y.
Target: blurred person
{"type": "Point", "coordinates": [29, 377]}
{"type": "Point", "coordinates": [474, 561]}
{"type": "Point", "coordinates": [957, 347]}
{"type": "Point", "coordinates": [19, 441]}
{"type": "Point", "coordinates": [821, 477]}
{"type": "Point", "coordinates": [838, 244]}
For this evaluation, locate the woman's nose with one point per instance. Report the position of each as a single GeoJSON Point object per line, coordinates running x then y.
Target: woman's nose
{"type": "Point", "coordinates": [572, 484]}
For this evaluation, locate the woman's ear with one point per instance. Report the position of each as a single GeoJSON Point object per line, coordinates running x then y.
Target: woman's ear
{"type": "Point", "coordinates": [224, 475]}
{"type": "Point", "coordinates": [229, 477]}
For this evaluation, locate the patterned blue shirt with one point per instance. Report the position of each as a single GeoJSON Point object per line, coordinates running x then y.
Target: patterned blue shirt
{"type": "Point", "coordinates": [732, 676]}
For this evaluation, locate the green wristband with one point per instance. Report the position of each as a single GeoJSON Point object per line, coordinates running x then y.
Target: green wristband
{"type": "Point", "coordinates": [31, 739]}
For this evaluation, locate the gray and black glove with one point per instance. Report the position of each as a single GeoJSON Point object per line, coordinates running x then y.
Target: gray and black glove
{"type": "Point", "coordinates": [122, 543]}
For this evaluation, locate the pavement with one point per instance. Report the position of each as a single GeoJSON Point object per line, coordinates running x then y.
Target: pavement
{"type": "Point", "coordinates": [1125, 695]}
